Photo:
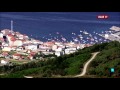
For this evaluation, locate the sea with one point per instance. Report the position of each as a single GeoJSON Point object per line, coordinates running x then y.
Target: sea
{"type": "Point", "coordinates": [65, 26]}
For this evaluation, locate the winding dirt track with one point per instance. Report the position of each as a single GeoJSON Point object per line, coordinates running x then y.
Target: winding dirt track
{"type": "Point", "coordinates": [84, 69]}
{"type": "Point", "coordinates": [28, 77]}
{"type": "Point", "coordinates": [86, 65]}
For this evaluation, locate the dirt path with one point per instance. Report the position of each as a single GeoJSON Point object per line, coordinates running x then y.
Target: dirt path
{"type": "Point", "coordinates": [28, 76]}
{"type": "Point", "coordinates": [86, 65]}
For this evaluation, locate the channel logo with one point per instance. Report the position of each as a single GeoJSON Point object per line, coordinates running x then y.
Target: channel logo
{"type": "Point", "coordinates": [102, 16]}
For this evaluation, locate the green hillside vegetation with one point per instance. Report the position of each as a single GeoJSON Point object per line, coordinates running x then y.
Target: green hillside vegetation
{"type": "Point", "coordinates": [108, 58]}
{"type": "Point", "coordinates": [64, 65]}
{"type": "Point", "coordinates": [72, 64]}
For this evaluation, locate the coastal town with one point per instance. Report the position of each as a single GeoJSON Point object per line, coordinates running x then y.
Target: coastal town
{"type": "Point", "coordinates": [59, 45]}
{"type": "Point", "coordinates": [17, 46]}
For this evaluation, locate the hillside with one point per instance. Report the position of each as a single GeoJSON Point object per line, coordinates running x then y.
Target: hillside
{"type": "Point", "coordinates": [71, 65]}
{"type": "Point", "coordinates": [108, 58]}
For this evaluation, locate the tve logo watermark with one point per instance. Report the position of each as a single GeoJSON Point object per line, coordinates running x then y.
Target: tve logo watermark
{"type": "Point", "coordinates": [102, 16]}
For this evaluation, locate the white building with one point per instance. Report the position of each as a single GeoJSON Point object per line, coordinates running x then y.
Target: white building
{"type": "Point", "coordinates": [59, 53]}
{"type": "Point", "coordinates": [25, 37]}
{"type": "Point", "coordinates": [5, 44]}
{"type": "Point", "coordinates": [73, 48]}
{"type": "Point", "coordinates": [71, 51]}
{"type": "Point", "coordinates": [81, 46]}
{"type": "Point", "coordinates": [59, 49]}
{"type": "Point", "coordinates": [20, 36]}
{"type": "Point", "coordinates": [17, 43]}
{"type": "Point", "coordinates": [1, 35]}
{"type": "Point", "coordinates": [32, 47]}
{"type": "Point", "coordinates": [16, 56]}
{"type": "Point", "coordinates": [67, 51]}
{"type": "Point", "coordinates": [35, 41]}
{"type": "Point", "coordinates": [47, 53]}
{"type": "Point", "coordinates": [58, 43]}
{"type": "Point", "coordinates": [6, 49]}
{"type": "Point", "coordinates": [78, 47]}
{"type": "Point", "coordinates": [6, 31]}
{"type": "Point", "coordinates": [106, 36]}
{"type": "Point", "coordinates": [54, 47]}
{"type": "Point", "coordinates": [4, 62]}
{"type": "Point", "coordinates": [19, 49]}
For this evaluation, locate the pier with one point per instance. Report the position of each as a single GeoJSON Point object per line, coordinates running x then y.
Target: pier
{"type": "Point", "coordinates": [112, 37]}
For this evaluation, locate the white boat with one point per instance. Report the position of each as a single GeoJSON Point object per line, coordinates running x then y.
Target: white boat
{"type": "Point", "coordinates": [92, 39]}
{"type": "Point", "coordinates": [88, 38]}
{"type": "Point", "coordinates": [81, 37]}
{"type": "Point", "coordinates": [100, 39]}
{"type": "Point", "coordinates": [85, 32]}
{"type": "Point", "coordinates": [95, 37]}
{"type": "Point", "coordinates": [105, 40]}
{"type": "Point", "coordinates": [102, 32]}
{"type": "Point", "coordinates": [96, 40]}
{"type": "Point", "coordinates": [49, 39]}
{"type": "Point", "coordinates": [90, 35]}
{"type": "Point", "coordinates": [81, 31]}
{"type": "Point", "coordinates": [110, 31]}
{"type": "Point", "coordinates": [94, 32]}
{"type": "Point", "coordinates": [75, 40]}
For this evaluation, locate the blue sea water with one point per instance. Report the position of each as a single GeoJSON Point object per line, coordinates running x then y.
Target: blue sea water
{"type": "Point", "coordinates": [44, 25]}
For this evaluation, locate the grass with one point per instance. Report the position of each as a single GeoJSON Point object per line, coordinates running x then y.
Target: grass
{"type": "Point", "coordinates": [21, 74]}
{"type": "Point", "coordinates": [75, 64]}
{"type": "Point", "coordinates": [19, 61]}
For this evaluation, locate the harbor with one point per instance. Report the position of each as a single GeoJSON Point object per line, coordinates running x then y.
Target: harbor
{"type": "Point", "coordinates": [114, 36]}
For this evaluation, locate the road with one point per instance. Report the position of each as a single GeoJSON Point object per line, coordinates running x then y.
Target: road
{"type": "Point", "coordinates": [86, 65]}
{"type": "Point", "coordinates": [28, 76]}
